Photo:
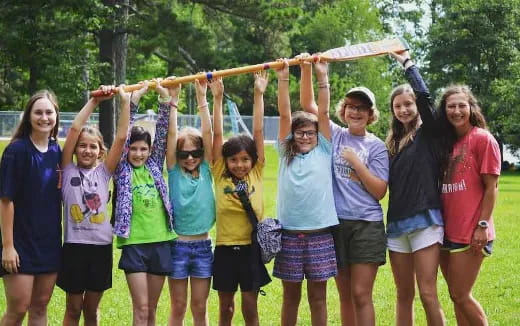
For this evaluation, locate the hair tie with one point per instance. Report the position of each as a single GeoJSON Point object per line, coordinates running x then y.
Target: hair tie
{"type": "Point", "coordinates": [406, 61]}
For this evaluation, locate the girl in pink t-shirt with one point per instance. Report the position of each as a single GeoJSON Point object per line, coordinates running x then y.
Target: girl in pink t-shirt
{"type": "Point", "coordinates": [469, 192]}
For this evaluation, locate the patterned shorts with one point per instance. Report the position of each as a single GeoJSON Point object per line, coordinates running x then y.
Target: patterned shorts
{"type": "Point", "coordinates": [306, 255]}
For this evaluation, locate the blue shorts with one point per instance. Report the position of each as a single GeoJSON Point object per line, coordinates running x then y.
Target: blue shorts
{"type": "Point", "coordinates": [309, 255]}
{"type": "Point", "coordinates": [152, 258]}
{"type": "Point", "coordinates": [454, 247]}
{"type": "Point", "coordinates": [191, 258]}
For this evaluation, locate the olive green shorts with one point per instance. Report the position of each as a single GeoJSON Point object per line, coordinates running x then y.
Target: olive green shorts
{"type": "Point", "coordinates": [359, 242]}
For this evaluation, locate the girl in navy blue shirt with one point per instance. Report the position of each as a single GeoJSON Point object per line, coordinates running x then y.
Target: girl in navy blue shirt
{"type": "Point", "coordinates": [30, 206]}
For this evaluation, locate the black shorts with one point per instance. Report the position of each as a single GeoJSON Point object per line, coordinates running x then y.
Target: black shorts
{"type": "Point", "coordinates": [232, 267]}
{"type": "Point", "coordinates": [85, 267]}
{"type": "Point", "coordinates": [152, 258]}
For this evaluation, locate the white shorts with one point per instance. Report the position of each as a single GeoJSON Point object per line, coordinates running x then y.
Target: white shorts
{"type": "Point", "coordinates": [416, 240]}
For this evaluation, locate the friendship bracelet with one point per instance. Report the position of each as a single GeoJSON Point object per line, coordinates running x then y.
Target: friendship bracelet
{"type": "Point", "coordinates": [202, 106]}
{"type": "Point", "coordinates": [323, 84]}
{"type": "Point", "coordinates": [284, 79]}
{"type": "Point", "coordinates": [174, 105]}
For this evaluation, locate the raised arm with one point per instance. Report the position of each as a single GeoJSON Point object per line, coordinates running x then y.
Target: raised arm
{"type": "Point", "coordinates": [261, 81]}
{"type": "Point", "coordinates": [135, 97]}
{"type": "Point", "coordinates": [307, 101]}
{"type": "Point", "coordinates": [114, 154]}
{"type": "Point", "coordinates": [424, 101]}
{"type": "Point", "coordinates": [284, 101]}
{"type": "Point", "coordinates": [79, 122]}
{"type": "Point", "coordinates": [217, 90]}
{"type": "Point", "coordinates": [161, 126]}
{"type": "Point", "coordinates": [171, 142]}
{"type": "Point", "coordinates": [218, 128]}
{"type": "Point", "coordinates": [322, 74]}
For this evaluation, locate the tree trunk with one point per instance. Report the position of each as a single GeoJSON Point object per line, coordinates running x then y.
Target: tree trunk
{"type": "Point", "coordinates": [121, 47]}
{"type": "Point", "coordinates": [113, 53]}
{"type": "Point", "coordinates": [106, 108]}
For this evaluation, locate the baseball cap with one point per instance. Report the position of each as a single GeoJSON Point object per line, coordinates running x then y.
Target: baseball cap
{"type": "Point", "coordinates": [363, 91]}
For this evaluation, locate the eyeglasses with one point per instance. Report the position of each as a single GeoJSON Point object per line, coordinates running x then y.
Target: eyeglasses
{"type": "Point", "coordinates": [185, 154]}
{"type": "Point", "coordinates": [308, 133]}
{"type": "Point", "coordinates": [353, 107]}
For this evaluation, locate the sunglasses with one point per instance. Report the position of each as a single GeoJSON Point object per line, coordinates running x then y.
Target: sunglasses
{"type": "Point", "coordinates": [185, 154]}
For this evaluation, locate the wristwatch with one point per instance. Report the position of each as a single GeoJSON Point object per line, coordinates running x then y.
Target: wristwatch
{"type": "Point", "coordinates": [483, 224]}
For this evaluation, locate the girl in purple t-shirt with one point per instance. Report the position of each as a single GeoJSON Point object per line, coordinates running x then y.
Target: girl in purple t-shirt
{"type": "Point", "coordinates": [86, 270]}
{"type": "Point", "coordinates": [360, 175]}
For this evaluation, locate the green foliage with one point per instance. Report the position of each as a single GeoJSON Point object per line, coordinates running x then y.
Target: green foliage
{"type": "Point", "coordinates": [477, 43]}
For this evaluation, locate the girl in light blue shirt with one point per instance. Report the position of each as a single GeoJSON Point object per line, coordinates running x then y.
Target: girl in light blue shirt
{"type": "Point", "coordinates": [305, 202]}
{"type": "Point", "coordinates": [190, 184]}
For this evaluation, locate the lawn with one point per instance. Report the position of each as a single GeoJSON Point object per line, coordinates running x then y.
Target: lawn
{"type": "Point", "coordinates": [496, 288]}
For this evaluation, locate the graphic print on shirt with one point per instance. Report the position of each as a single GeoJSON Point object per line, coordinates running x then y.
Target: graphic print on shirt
{"type": "Point", "coordinates": [457, 165]}
{"type": "Point", "coordinates": [240, 185]}
{"type": "Point", "coordinates": [147, 194]}
{"type": "Point", "coordinates": [91, 201]}
{"type": "Point", "coordinates": [343, 169]}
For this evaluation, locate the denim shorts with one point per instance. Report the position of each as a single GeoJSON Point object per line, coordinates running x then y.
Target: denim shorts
{"type": "Point", "coordinates": [191, 258]}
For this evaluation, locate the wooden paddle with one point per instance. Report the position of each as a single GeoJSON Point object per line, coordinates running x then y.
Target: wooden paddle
{"type": "Point", "coordinates": [348, 52]}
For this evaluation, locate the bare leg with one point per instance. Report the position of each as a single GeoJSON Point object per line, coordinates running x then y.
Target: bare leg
{"type": "Point", "coordinates": [91, 308]}
{"type": "Point", "coordinates": [404, 278]}
{"type": "Point", "coordinates": [426, 263]}
{"type": "Point", "coordinates": [362, 282]}
{"type": "Point", "coordinates": [317, 296]}
{"type": "Point", "coordinates": [73, 309]}
{"type": "Point", "coordinates": [199, 300]}
{"type": "Point", "coordinates": [41, 295]}
{"type": "Point", "coordinates": [462, 272]}
{"type": "Point", "coordinates": [138, 285]}
{"type": "Point", "coordinates": [250, 308]}
{"type": "Point", "coordinates": [226, 304]}
{"type": "Point", "coordinates": [18, 292]}
{"type": "Point", "coordinates": [348, 317]}
{"type": "Point", "coordinates": [292, 293]}
{"type": "Point", "coordinates": [155, 285]}
{"type": "Point", "coordinates": [178, 299]}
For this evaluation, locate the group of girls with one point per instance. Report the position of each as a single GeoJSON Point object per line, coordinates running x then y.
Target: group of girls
{"type": "Point", "coordinates": [441, 169]}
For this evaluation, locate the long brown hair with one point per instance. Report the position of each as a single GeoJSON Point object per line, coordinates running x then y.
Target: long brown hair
{"type": "Point", "coordinates": [299, 119]}
{"type": "Point", "coordinates": [24, 127]}
{"type": "Point", "coordinates": [476, 118]}
{"type": "Point", "coordinates": [399, 136]}
{"type": "Point", "coordinates": [449, 138]}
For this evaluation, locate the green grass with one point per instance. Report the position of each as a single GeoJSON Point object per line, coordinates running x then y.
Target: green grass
{"type": "Point", "coordinates": [496, 289]}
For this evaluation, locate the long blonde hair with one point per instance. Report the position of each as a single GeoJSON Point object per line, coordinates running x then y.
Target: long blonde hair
{"type": "Point", "coordinates": [398, 135]}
